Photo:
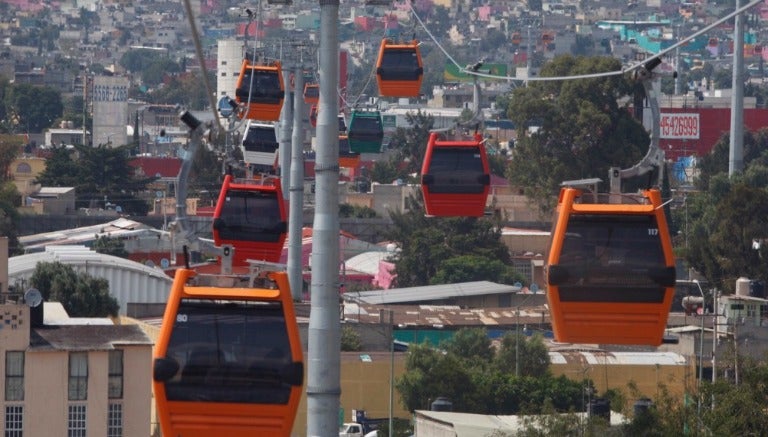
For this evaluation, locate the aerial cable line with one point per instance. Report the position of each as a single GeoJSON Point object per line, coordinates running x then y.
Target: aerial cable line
{"type": "Point", "coordinates": [370, 76]}
{"type": "Point", "coordinates": [199, 52]}
{"type": "Point", "coordinates": [592, 75]}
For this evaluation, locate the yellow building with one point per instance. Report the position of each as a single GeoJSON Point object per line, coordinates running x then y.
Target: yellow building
{"type": "Point", "coordinates": [24, 170]}
{"type": "Point", "coordinates": [77, 379]}
{"type": "Point", "coordinates": [69, 376]}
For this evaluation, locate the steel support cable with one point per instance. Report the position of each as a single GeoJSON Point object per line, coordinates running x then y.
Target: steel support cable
{"type": "Point", "coordinates": [631, 67]}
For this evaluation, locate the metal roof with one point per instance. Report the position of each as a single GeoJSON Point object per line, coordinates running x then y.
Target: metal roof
{"type": "Point", "coordinates": [86, 337]}
{"type": "Point", "coordinates": [430, 292]}
{"type": "Point", "coordinates": [121, 227]}
{"type": "Point", "coordinates": [601, 357]}
{"type": "Point", "coordinates": [482, 425]}
{"type": "Point", "coordinates": [129, 281]}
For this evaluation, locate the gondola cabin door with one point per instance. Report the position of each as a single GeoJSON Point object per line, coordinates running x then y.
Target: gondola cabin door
{"type": "Point", "coordinates": [610, 270]}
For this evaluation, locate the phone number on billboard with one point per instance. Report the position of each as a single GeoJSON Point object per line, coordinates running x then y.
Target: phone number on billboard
{"type": "Point", "coordinates": [680, 126]}
{"type": "Point", "coordinates": [107, 93]}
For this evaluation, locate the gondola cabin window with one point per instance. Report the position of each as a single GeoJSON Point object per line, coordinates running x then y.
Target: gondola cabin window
{"type": "Point", "coordinates": [233, 351]}
{"type": "Point", "coordinates": [400, 64]}
{"type": "Point", "coordinates": [250, 216]}
{"type": "Point", "coordinates": [456, 170]}
{"type": "Point", "coordinates": [260, 139]}
{"type": "Point", "coordinates": [262, 86]}
{"type": "Point", "coordinates": [612, 258]}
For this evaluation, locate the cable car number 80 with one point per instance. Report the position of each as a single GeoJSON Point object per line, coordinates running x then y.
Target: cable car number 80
{"type": "Point", "coordinates": [181, 318]}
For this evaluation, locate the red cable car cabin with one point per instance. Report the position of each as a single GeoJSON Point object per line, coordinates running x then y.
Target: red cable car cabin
{"type": "Point", "coordinates": [611, 270]}
{"type": "Point", "coordinates": [311, 93]}
{"type": "Point", "coordinates": [313, 115]}
{"type": "Point", "coordinates": [455, 177]}
{"type": "Point", "coordinates": [399, 69]}
{"type": "Point", "coordinates": [261, 88]}
{"type": "Point", "coordinates": [228, 359]}
{"type": "Point", "coordinates": [252, 218]}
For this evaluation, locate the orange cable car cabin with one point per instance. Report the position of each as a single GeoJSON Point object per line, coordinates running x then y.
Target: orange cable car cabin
{"type": "Point", "coordinates": [455, 177]}
{"type": "Point", "coordinates": [228, 359]}
{"type": "Point", "coordinates": [610, 270]}
{"type": "Point", "coordinates": [311, 93]}
{"type": "Point", "coordinates": [261, 89]}
{"type": "Point", "coordinates": [252, 218]}
{"type": "Point", "coordinates": [399, 69]}
{"type": "Point", "coordinates": [347, 158]}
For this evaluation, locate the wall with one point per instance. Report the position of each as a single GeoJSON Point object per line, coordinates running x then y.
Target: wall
{"type": "Point", "coordinates": [647, 377]}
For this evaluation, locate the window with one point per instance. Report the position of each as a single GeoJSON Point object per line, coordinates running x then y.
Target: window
{"type": "Point", "coordinates": [76, 421]}
{"type": "Point", "coordinates": [78, 376]}
{"type": "Point", "coordinates": [115, 383]}
{"type": "Point", "coordinates": [14, 376]}
{"type": "Point", "coordinates": [115, 420]}
{"type": "Point", "coordinates": [14, 419]}
{"type": "Point", "coordinates": [23, 167]}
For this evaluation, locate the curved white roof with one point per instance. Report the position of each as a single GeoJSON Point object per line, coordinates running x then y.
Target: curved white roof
{"type": "Point", "coordinates": [129, 281]}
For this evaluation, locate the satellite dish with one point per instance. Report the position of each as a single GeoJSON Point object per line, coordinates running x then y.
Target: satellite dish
{"type": "Point", "coordinates": [33, 297]}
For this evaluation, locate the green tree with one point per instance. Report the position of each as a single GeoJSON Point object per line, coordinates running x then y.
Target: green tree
{"type": "Point", "coordinates": [99, 174]}
{"type": "Point", "coordinates": [410, 144]}
{"type": "Point", "coordinates": [431, 374]}
{"type": "Point", "coordinates": [582, 129]}
{"type": "Point", "coordinates": [350, 339]}
{"type": "Point", "coordinates": [726, 214]}
{"type": "Point", "coordinates": [155, 72]}
{"type": "Point", "coordinates": [531, 352]}
{"type": "Point", "coordinates": [186, 90]}
{"type": "Point", "coordinates": [357, 211]}
{"type": "Point", "coordinates": [31, 108]}
{"type": "Point", "coordinates": [10, 148]}
{"type": "Point", "coordinates": [110, 246]}
{"type": "Point", "coordinates": [437, 250]}
{"type": "Point", "coordinates": [81, 294]}
{"type": "Point", "coordinates": [471, 343]}
{"type": "Point", "coordinates": [463, 372]}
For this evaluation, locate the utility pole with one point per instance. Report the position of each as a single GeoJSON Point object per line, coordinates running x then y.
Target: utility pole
{"type": "Point", "coordinates": [296, 185]}
{"type": "Point", "coordinates": [736, 151]}
{"type": "Point", "coordinates": [324, 356]}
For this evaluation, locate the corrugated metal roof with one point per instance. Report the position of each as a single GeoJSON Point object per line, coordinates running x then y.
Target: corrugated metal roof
{"type": "Point", "coordinates": [121, 227]}
{"type": "Point", "coordinates": [431, 292]}
{"type": "Point", "coordinates": [481, 425]}
{"type": "Point", "coordinates": [601, 357]}
{"type": "Point", "coordinates": [129, 281]}
{"type": "Point", "coordinates": [86, 337]}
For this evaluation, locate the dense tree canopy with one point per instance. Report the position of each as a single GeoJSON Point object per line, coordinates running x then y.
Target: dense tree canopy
{"type": "Point", "coordinates": [81, 294]}
{"type": "Point", "coordinates": [439, 250]}
{"type": "Point", "coordinates": [10, 148]}
{"type": "Point", "coordinates": [99, 174]}
{"type": "Point", "coordinates": [29, 108]}
{"type": "Point", "coordinates": [573, 129]}
{"type": "Point", "coordinates": [468, 371]}
{"type": "Point", "coordinates": [721, 220]}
